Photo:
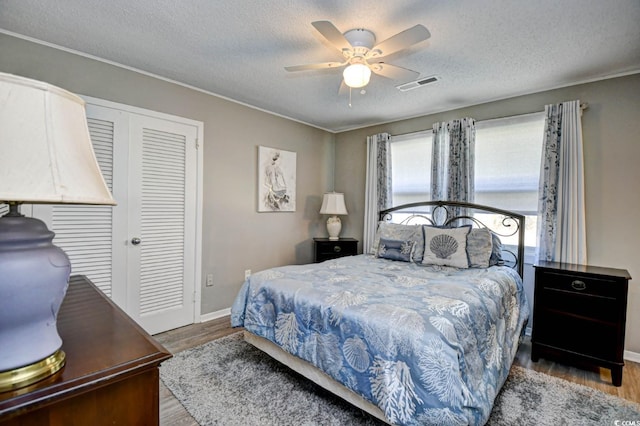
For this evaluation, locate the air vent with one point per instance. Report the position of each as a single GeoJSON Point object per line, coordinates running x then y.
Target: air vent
{"type": "Point", "coordinates": [418, 83]}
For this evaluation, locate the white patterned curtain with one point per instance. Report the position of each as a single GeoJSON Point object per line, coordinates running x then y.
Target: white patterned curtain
{"type": "Point", "coordinates": [453, 159]}
{"type": "Point", "coordinates": [439, 161]}
{"type": "Point", "coordinates": [453, 162]}
{"type": "Point", "coordinates": [561, 212]}
{"type": "Point", "coordinates": [378, 185]}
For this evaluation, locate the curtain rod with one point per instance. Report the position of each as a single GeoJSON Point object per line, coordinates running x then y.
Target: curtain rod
{"type": "Point", "coordinates": [583, 106]}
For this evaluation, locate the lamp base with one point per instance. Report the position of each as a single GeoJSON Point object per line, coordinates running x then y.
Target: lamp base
{"type": "Point", "coordinates": [334, 226]}
{"type": "Point", "coordinates": [33, 283]}
{"type": "Point", "coordinates": [24, 376]}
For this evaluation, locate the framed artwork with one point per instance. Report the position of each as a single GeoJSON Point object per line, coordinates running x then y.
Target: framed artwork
{"type": "Point", "coordinates": [276, 180]}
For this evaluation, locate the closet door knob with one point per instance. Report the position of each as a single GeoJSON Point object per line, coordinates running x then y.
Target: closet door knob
{"type": "Point", "coordinates": [135, 241]}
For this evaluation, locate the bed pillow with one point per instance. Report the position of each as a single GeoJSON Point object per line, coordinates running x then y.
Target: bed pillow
{"type": "Point", "coordinates": [445, 246]}
{"type": "Point", "coordinates": [396, 249]}
{"type": "Point", "coordinates": [496, 251]}
{"type": "Point", "coordinates": [396, 231]}
{"type": "Point", "coordinates": [479, 247]}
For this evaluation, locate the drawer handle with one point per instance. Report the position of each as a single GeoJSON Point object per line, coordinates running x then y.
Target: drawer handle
{"type": "Point", "coordinates": [337, 249]}
{"type": "Point", "coordinates": [578, 285]}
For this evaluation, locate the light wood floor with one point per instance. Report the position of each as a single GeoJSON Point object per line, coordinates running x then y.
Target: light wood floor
{"type": "Point", "coordinates": [172, 413]}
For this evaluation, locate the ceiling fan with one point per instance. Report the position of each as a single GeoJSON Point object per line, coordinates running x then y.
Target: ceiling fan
{"type": "Point", "coordinates": [362, 55]}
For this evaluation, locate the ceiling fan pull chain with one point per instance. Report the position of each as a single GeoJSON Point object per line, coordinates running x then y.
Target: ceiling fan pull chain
{"type": "Point", "coordinates": [349, 97]}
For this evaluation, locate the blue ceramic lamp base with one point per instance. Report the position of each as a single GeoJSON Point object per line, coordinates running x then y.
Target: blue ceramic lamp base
{"type": "Point", "coordinates": [33, 283]}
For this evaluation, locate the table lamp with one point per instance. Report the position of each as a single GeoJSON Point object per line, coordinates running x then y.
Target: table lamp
{"type": "Point", "coordinates": [333, 204]}
{"type": "Point", "coordinates": [46, 156]}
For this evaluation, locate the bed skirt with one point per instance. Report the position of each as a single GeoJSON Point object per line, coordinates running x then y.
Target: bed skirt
{"type": "Point", "coordinates": [314, 374]}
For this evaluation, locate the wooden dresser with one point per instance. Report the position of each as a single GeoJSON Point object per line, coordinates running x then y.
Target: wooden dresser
{"type": "Point", "coordinates": [579, 315]}
{"type": "Point", "coordinates": [111, 374]}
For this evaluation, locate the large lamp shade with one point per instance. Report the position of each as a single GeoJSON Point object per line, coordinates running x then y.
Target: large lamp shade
{"type": "Point", "coordinates": [46, 156]}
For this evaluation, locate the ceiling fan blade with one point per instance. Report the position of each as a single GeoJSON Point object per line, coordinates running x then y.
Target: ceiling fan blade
{"type": "Point", "coordinates": [320, 66]}
{"type": "Point", "coordinates": [393, 72]}
{"type": "Point", "coordinates": [400, 41]}
{"type": "Point", "coordinates": [332, 34]}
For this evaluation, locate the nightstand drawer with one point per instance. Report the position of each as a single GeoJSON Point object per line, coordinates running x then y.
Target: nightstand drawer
{"type": "Point", "coordinates": [580, 284]}
{"type": "Point", "coordinates": [331, 249]}
{"type": "Point", "coordinates": [326, 249]}
{"type": "Point", "coordinates": [591, 338]}
{"type": "Point", "coordinates": [597, 308]}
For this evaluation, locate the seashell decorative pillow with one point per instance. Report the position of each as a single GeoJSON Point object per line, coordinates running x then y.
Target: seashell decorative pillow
{"type": "Point", "coordinates": [445, 246]}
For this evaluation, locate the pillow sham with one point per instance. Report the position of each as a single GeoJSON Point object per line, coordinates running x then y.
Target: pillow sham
{"type": "Point", "coordinates": [496, 251]}
{"type": "Point", "coordinates": [396, 249]}
{"type": "Point", "coordinates": [445, 246]}
{"type": "Point", "coordinates": [479, 247]}
{"type": "Point", "coordinates": [397, 231]}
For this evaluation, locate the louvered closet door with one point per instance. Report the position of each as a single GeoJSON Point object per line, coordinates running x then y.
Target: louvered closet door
{"type": "Point", "coordinates": [162, 211]}
{"type": "Point", "coordinates": [85, 232]}
{"type": "Point", "coordinates": [150, 166]}
{"type": "Point", "coordinates": [89, 234]}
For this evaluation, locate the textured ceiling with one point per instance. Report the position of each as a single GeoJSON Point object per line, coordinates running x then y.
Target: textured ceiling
{"type": "Point", "coordinates": [480, 50]}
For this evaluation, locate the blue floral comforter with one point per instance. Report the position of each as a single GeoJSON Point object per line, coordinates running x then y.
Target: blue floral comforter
{"type": "Point", "coordinates": [426, 344]}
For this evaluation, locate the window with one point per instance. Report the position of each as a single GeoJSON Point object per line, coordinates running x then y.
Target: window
{"type": "Point", "coordinates": [411, 167]}
{"type": "Point", "coordinates": [508, 155]}
{"type": "Point", "coordinates": [507, 167]}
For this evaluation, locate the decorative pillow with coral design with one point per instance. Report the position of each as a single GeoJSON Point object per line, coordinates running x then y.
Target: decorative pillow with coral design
{"type": "Point", "coordinates": [397, 231]}
{"type": "Point", "coordinates": [445, 246]}
{"type": "Point", "coordinates": [396, 249]}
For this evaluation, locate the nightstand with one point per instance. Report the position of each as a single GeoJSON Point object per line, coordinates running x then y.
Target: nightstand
{"type": "Point", "coordinates": [325, 249]}
{"type": "Point", "coordinates": [579, 315]}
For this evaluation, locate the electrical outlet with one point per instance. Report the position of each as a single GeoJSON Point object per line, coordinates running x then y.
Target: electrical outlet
{"type": "Point", "coordinates": [247, 273]}
{"type": "Point", "coordinates": [210, 280]}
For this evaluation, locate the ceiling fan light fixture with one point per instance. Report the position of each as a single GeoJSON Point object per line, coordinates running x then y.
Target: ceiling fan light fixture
{"type": "Point", "coordinates": [356, 75]}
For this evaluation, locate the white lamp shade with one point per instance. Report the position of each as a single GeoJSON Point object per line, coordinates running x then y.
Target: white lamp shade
{"type": "Point", "coordinates": [333, 203]}
{"type": "Point", "coordinates": [356, 75]}
{"type": "Point", "coordinates": [46, 154]}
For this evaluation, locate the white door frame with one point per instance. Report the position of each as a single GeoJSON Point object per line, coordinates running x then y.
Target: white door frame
{"type": "Point", "coordinates": [197, 264]}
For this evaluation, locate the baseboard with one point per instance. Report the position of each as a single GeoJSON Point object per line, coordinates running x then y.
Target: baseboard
{"type": "Point", "coordinates": [215, 315]}
{"type": "Point", "coordinates": [632, 356]}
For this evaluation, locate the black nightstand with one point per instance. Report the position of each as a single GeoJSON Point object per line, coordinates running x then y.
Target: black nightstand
{"type": "Point", "coordinates": [325, 249]}
{"type": "Point", "coordinates": [579, 315]}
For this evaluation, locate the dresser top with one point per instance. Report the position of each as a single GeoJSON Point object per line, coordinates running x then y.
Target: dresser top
{"type": "Point", "coordinates": [585, 269]}
{"type": "Point", "coordinates": [101, 344]}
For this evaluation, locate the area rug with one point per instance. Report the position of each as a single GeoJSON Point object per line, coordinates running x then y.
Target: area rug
{"type": "Point", "coordinates": [229, 382]}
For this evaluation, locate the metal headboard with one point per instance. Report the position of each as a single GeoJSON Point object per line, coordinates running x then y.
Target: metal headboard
{"type": "Point", "coordinates": [455, 213]}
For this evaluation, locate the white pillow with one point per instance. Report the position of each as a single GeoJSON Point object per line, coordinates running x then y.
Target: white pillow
{"type": "Point", "coordinates": [445, 246]}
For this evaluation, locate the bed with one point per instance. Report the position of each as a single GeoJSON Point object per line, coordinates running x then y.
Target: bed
{"type": "Point", "coordinates": [422, 330]}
